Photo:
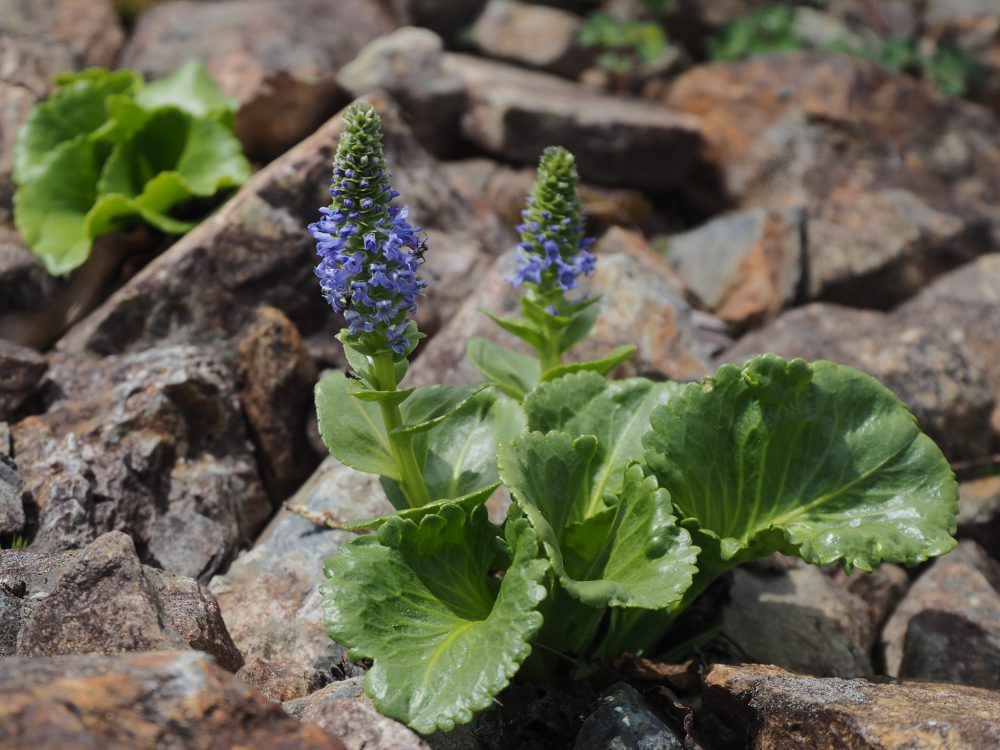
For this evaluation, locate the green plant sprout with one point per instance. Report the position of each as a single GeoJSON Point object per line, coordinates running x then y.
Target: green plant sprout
{"type": "Point", "coordinates": [629, 497]}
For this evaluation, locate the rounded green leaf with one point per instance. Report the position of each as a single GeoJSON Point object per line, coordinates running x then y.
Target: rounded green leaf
{"type": "Point", "coordinates": [421, 602]}
{"type": "Point", "coordinates": [815, 459]}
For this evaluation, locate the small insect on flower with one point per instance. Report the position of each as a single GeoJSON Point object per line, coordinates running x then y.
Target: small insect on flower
{"type": "Point", "coordinates": [369, 252]}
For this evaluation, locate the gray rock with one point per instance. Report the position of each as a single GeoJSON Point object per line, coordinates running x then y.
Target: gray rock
{"type": "Point", "coordinates": [641, 303]}
{"type": "Point", "coordinates": [409, 66]}
{"type": "Point", "coordinates": [744, 267]}
{"type": "Point", "coordinates": [20, 370]}
{"type": "Point", "coordinates": [947, 628]}
{"type": "Point", "coordinates": [881, 590]}
{"type": "Point", "coordinates": [189, 544]}
{"type": "Point", "coordinates": [269, 57]}
{"type": "Point", "coordinates": [103, 600]}
{"type": "Point", "coordinates": [447, 17]}
{"type": "Point", "coordinates": [24, 282]}
{"type": "Point", "coordinates": [12, 518]}
{"type": "Point", "coordinates": [276, 583]}
{"type": "Point", "coordinates": [772, 708]}
{"type": "Point", "coordinates": [535, 36]}
{"type": "Point", "coordinates": [979, 513]}
{"type": "Point", "coordinates": [801, 621]}
{"type": "Point", "coordinates": [515, 114]}
{"type": "Point", "coordinates": [343, 710]}
{"type": "Point", "coordinates": [141, 701]}
{"type": "Point", "coordinates": [129, 438]}
{"type": "Point", "coordinates": [623, 720]}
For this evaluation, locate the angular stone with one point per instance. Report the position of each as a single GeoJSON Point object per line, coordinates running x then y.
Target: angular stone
{"type": "Point", "coordinates": [408, 64]}
{"type": "Point", "coordinates": [269, 57]}
{"type": "Point", "coordinates": [801, 621]}
{"type": "Point", "coordinates": [641, 304]}
{"type": "Point", "coordinates": [89, 29]}
{"type": "Point", "coordinates": [129, 438]}
{"type": "Point", "coordinates": [255, 250]}
{"type": "Point", "coordinates": [811, 129]}
{"type": "Point", "coordinates": [881, 590]}
{"type": "Point", "coordinates": [279, 680]}
{"type": "Point", "coordinates": [927, 366]}
{"type": "Point", "coordinates": [20, 370]}
{"type": "Point", "coordinates": [777, 709]}
{"type": "Point", "coordinates": [516, 113]}
{"type": "Point", "coordinates": [24, 282]}
{"type": "Point", "coordinates": [140, 701]}
{"type": "Point", "coordinates": [744, 267]}
{"type": "Point", "coordinates": [535, 36]}
{"type": "Point", "coordinates": [276, 583]}
{"type": "Point", "coordinates": [343, 710]}
{"type": "Point", "coordinates": [103, 600]}
{"type": "Point", "coordinates": [979, 513]}
{"type": "Point", "coordinates": [623, 719]}
{"type": "Point", "coordinates": [189, 544]}
{"type": "Point", "coordinates": [276, 376]}
{"type": "Point", "coordinates": [12, 519]}
{"type": "Point", "coordinates": [947, 628]}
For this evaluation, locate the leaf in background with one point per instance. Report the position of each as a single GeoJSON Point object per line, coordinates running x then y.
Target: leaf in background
{"type": "Point", "coordinates": [817, 460]}
{"type": "Point", "coordinates": [616, 412]}
{"type": "Point", "coordinates": [352, 429]}
{"type": "Point", "coordinates": [431, 405]}
{"type": "Point", "coordinates": [602, 366]}
{"type": "Point", "coordinates": [421, 603]}
{"type": "Point", "coordinates": [642, 558]}
{"type": "Point", "coordinates": [512, 372]}
{"type": "Point", "coordinates": [191, 89]}
{"type": "Point", "coordinates": [76, 108]}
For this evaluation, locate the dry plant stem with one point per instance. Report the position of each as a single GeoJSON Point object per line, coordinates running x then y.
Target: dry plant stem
{"type": "Point", "coordinates": [400, 445]}
{"type": "Point", "coordinates": [319, 518]}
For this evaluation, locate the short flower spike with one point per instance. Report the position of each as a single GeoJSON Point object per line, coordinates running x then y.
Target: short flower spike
{"type": "Point", "coordinates": [369, 252]}
{"type": "Point", "coordinates": [553, 253]}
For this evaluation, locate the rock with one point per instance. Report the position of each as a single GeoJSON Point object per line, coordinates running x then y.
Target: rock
{"type": "Point", "coordinates": [623, 719]}
{"type": "Point", "coordinates": [129, 438]}
{"type": "Point", "coordinates": [979, 512]}
{"type": "Point", "coordinates": [189, 544]}
{"type": "Point", "coordinates": [801, 621]}
{"type": "Point", "coordinates": [142, 702]}
{"type": "Point", "coordinates": [743, 267]}
{"type": "Point", "coordinates": [447, 17]}
{"type": "Point", "coordinates": [777, 709]}
{"type": "Point", "coordinates": [505, 189]}
{"type": "Point", "coordinates": [881, 590]}
{"type": "Point", "coordinates": [276, 376]}
{"type": "Point", "coordinates": [516, 113]}
{"type": "Point", "coordinates": [90, 31]}
{"type": "Point", "coordinates": [927, 366]}
{"type": "Point", "coordinates": [24, 282]}
{"type": "Point", "coordinates": [270, 58]}
{"type": "Point", "coordinates": [341, 709]}
{"type": "Point", "coordinates": [947, 628]}
{"type": "Point", "coordinates": [642, 304]}
{"type": "Point", "coordinates": [12, 519]}
{"type": "Point", "coordinates": [535, 36]}
{"type": "Point", "coordinates": [276, 583]}
{"type": "Point", "coordinates": [975, 33]}
{"type": "Point", "coordinates": [279, 680]}
{"type": "Point", "coordinates": [103, 600]}
{"type": "Point", "coordinates": [941, 10]}
{"type": "Point", "coordinates": [408, 64]}
{"type": "Point", "coordinates": [830, 133]}
{"type": "Point", "coordinates": [20, 370]}
{"type": "Point", "coordinates": [255, 250]}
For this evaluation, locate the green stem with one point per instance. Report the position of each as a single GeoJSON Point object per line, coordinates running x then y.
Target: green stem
{"type": "Point", "coordinates": [401, 445]}
{"type": "Point", "coordinates": [549, 355]}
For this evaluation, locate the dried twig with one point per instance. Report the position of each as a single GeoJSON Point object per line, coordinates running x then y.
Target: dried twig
{"type": "Point", "coordinates": [320, 518]}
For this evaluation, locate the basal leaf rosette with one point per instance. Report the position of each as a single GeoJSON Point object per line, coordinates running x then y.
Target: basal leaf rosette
{"type": "Point", "coordinates": [444, 634]}
{"type": "Point", "coordinates": [816, 460]}
{"type": "Point", "coordinates": [628, 553]}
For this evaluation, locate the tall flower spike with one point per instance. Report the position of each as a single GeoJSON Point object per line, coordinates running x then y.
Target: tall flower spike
{"type": "Point", "coordinates": [368, 250]}
{"type": "Point", "coordinates": [553, 253]}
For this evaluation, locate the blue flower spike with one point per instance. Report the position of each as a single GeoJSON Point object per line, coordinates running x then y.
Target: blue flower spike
{"type": "Point", "coordinates": [369, 252]}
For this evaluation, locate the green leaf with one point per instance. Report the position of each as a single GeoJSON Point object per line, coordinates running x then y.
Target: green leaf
{"type": "Point", "coordinates": [352, 429]}
{"type": "Point", "coordinates": [523, 329]}
{"type": "Point", "coordinates": [581, 322]}
{"type": "Point", "coordinates": [361, 391]}
{"type": "Point", "coordinates": [602, 366]}
{"type": "Point", "coordinates": [466, 502]}
{"type": "Point", "coordinates": [616, 412]}
{"type": "Point", "coordinates": [433, 404]}
{"type": "Point", "coordinates": [643, 558]}
{"type": "Point", "coordinates": [191, 89]}
{"type": "Point", "coordinates": [816, 460]}
{"type": "Point", "coordinates": [76, 108]}
{"type": "Point", "coordinates": [512, 372]}
{"type": "Point", "coordinates": [421, 603]}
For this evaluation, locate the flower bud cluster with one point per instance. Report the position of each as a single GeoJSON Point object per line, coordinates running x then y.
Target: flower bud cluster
{"type": "Point", "coordinates": [553, 253]}
{"type": "Point", "coordinates": [369, 252]}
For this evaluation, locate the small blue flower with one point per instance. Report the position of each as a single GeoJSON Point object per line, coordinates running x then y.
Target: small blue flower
{"type": "Point", "coordinates": [367, 247]}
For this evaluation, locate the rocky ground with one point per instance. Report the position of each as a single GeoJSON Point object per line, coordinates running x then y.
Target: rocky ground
{"type": "Point", "coordinates": [155, 407]}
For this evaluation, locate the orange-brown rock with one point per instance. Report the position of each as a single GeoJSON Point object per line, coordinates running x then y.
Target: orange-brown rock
{"type": "Point", "coordinates": [155, 701]}
{"type": "Point", "coordinates": [777, 710]}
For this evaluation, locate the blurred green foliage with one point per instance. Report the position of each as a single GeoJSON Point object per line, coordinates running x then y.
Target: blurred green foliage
{"type": "Point", "coordinates": [627, 42]}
